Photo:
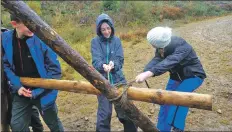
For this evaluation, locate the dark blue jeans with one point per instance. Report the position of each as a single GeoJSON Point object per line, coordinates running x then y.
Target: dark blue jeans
{"type": "Point", "coordinates": [104, 114]}
{"type": "Point", "coordinates": [36, 124]}
{"type": "Point", "coordinates": [6, 115]}
{"type": "Point", "coordinates": [22, 113]}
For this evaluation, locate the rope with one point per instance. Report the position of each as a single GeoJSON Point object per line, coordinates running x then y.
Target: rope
{"type": "Point", "coordinates": [123, 95]}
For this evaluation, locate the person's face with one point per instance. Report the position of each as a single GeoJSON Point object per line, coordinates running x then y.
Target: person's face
{"type": "Point", "coordinates": [160, 50]}
{"type": "Point", "coordinates": [21, 29]}
{"type": "Point", "coordinates": [106, 30]}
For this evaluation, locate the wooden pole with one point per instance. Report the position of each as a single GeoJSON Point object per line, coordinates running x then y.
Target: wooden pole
{"type": "Point", "coordinates": [75, 60]}
{"type": "Point", "coordinates": [194, 100]}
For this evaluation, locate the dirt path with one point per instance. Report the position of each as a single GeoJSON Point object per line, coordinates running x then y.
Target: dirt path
{"type": "Point", "coordinates": [212, 40]}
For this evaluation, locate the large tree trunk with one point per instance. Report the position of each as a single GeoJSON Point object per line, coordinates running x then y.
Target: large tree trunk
{"type": "Point", "coordinates": [194, 100]}
{"type": "Point", "coordinates": [74, 59]}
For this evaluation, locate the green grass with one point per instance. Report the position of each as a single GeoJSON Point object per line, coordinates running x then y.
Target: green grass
{"type": "Point", "coordinates": [225, 122]}
{"type": "Point", "coordinates": [75, 21]}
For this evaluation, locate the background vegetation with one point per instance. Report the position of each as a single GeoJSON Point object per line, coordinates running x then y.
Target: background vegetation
{"type": "Point", "coordinates": [75, 20]}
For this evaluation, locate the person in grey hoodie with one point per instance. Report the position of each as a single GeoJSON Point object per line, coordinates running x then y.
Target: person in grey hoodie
{"type": "Point", "coordinates": [108, 59]}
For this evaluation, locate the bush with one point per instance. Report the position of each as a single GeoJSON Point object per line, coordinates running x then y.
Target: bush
{"type": "Point", "coordinates": [172, 13]}
{"type": "Point", "coordinates": [196, 9]}
{"type": "Point", "coordinates": [35, 6]}
{"type": "Point", "coordinates": [110, 6]}
{"type": "Point", "coordinates": [134, 35]}
{"type": "Point", "coordinates": [75, 20]}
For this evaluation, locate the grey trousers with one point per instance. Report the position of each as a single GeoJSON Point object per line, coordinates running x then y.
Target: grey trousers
{"type": "Point", "coordinates": [22, 112]}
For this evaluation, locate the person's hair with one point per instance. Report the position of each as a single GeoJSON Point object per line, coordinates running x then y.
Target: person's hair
{"type": "Point", "coordinates": [14, 18]}
{"type": "Point", "coordinates": [107, 22]}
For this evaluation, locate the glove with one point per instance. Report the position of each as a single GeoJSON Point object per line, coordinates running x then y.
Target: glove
{"type": "Point", "coordinates": [143, 76]}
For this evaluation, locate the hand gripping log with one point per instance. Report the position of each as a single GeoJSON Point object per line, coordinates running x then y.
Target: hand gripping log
{"type": "Point", "coordinates": [74, 59]}
{"type": "Point", "coordinates": [158, 96]}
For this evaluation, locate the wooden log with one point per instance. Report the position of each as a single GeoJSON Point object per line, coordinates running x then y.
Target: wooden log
{"type": "Point", "coordinates": [194, 100]}
{"type": "Point", "coordinates": [75, 60]}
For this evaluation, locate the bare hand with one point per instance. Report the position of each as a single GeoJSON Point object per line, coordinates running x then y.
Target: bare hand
{"type": "Point", "coordinates": [23, 91]}
{"type": "Point", "coordinates": [111, 64]}
{"type": "Point", "coordinates": [143, 76]}
{"type": "Point", "coordinates": [107, 68]}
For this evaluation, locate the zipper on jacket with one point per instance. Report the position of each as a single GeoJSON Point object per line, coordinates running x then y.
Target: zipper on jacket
{"type": "Point", "coordinates": [20, 54]}
{"type": "Point", "coordinates": [107, 61]}
{"type": "Point", "coordinates": [177, 75]}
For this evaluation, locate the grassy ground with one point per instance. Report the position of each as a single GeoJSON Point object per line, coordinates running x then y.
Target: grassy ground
{"type": "Point", "coordinates": [210, 38]}
{"type": "Point", "coordinates": [212, 41]}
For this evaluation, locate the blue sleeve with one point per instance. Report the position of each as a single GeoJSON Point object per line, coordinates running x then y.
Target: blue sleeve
{"type": "Point", "coordinates": [172, 60]}
{"type": "Point", "coordinates": [37, 92]}
{"type": "Point", "coordinates": [52, 64]}
{"type": "Point", "coordinates": [118, 59]}
{"type": "Point", "coordinates": [97, 56]}
{"type": "Point", "coordinates": [14, 81]}
{"type": "Point", "coordinates": [52, 67]}
{"type": "Point", "coordinates": [153, 62]}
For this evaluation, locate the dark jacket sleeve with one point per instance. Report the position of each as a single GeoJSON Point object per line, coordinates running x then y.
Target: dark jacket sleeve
{"type": "Point", "coordinates": [172, 60]}
{"type": "Point", "coordinates": [153, 62]}
{"type": "Point", "coordinates": [118, 59]}
{"type": "Point", "coordinates": [97, 57]}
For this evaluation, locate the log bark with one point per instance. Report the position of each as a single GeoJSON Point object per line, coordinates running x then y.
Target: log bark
{"type": "Point", "coordinates": [193, 100]}
{"type": "Point", "coordinates": [74, 59]}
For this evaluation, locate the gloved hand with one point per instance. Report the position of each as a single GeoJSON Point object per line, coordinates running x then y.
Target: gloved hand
{"type": "Point", "coordinates": [143, 76]}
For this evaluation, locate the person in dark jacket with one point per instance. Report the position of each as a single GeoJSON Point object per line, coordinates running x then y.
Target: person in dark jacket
{"type": "Point", "coordinates": [175, 55]}
{"type": "Point", "coordinates": [6, 103]}
{"type": "Point", "coordinates": [25, 55]}
{"type": "Point", "coordinates": [108, 59]}
{"type": "Point", "coordinates": [5, 96]}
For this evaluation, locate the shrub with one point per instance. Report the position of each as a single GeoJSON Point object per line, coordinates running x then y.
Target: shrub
{"type": "Point", "coordinates": [35, 6]}
{"type": "Point", "coordinates": [110, 6]}
{"type": "Point", "coordinates": [172, 12]}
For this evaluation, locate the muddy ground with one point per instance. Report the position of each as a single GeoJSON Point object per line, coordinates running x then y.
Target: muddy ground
{"type": "Point", "coordinates": [211, 39]}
